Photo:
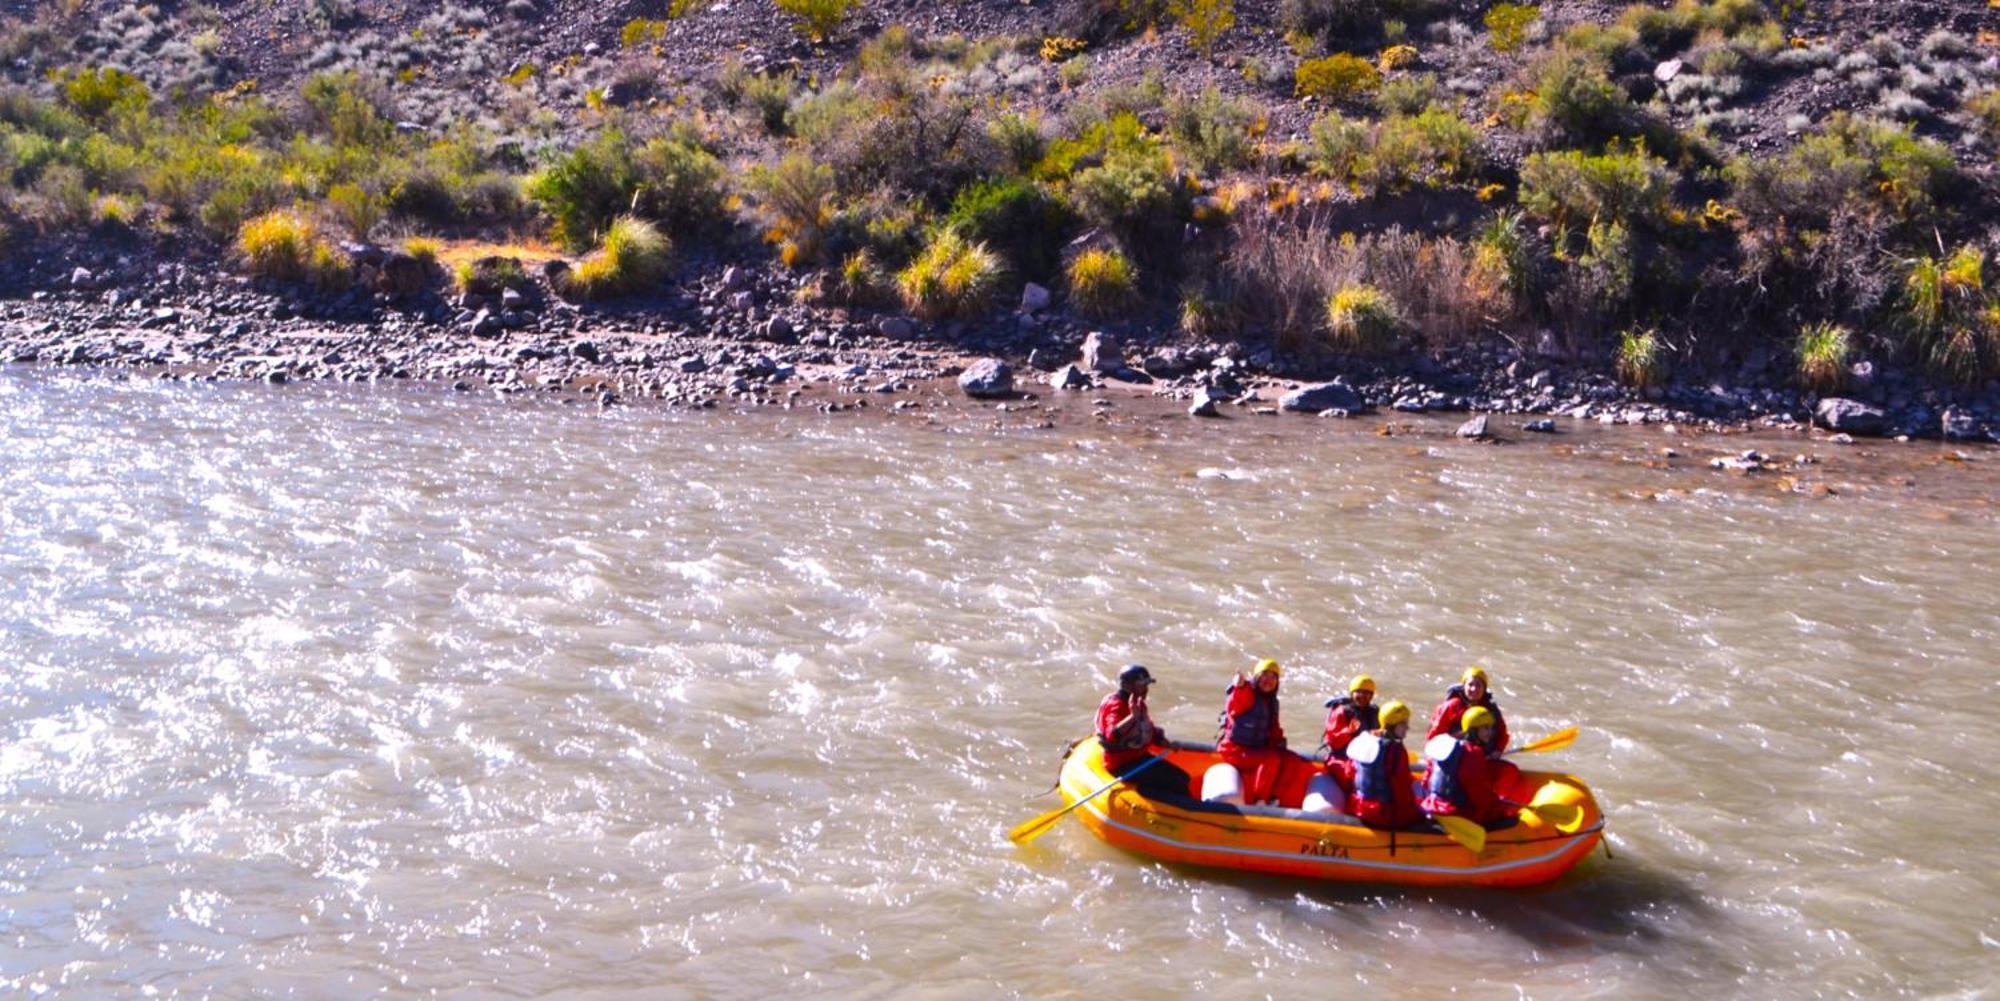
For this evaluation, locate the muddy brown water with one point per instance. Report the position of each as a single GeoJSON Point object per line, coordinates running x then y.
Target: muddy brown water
{"type": "Point", "coordinates": [335, 692]}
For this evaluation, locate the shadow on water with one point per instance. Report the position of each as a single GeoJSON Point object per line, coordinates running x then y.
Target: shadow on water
{"type": "Point", "coordinates": [1619, 906]}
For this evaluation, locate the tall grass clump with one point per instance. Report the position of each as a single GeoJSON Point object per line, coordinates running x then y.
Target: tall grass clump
{"type": "Point", "coordinates": [1640, 359]}
{"type": "Point", "coordinates": [1362, 319]}
{"type": "Point", "coordinates": [1953, 322]}
{"type": "Point", "coordinates": [1823, 350]}
{"type": "Point", "coordinates": [953, 276]}
{"type": "Point", "coordinates": [1102, 282]}
{"type": "Point", "coordinates": [632, 259]}
{"type": "Point", "coordinates": [1573, 188]}
{"type": "Point", "coordinates": [285, 245]}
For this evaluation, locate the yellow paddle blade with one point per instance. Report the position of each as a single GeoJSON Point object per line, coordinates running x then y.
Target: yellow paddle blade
{"type": "Point", "coordinates": [1464, 831]}
{"type": "Point", "coordinates": [1564, 817]}
{"type": "Point", "coordinates": [1035, 828]}
{"type": "Point", "coordinates": [1553, 742]}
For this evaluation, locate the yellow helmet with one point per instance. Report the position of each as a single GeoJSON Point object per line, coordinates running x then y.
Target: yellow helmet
{"type": "Point", "coordinates": [1393, 713]}
{"type": "Point", "coordinates": [1267, 666]}
{"type": "Point", "coordinates": [1361, 683]}
{"type": "Point", "coordinates": [1474, 718]}
{"type": "Point", "coordinates": [1475, 671]}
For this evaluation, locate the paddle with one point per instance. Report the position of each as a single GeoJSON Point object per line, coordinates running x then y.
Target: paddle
{"type": "Point", "coordinates": [1553, 742]}
{"type": "Point", "coordinates": [1041, 825]}
{"type": "Point", "coordinates": [1463, 831]}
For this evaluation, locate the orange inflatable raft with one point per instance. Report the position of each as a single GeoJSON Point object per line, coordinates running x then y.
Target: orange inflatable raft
{"type": "Point", "coordinates": [1320, 845]}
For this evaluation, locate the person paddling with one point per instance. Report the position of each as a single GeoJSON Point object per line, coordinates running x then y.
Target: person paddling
{"type": "Point", "coordinates": [1384, 795]}
{"type": "Point", "coordinates": [1350, 716]}
{"type": "Point", "coordinates": [1462, 773]}
{"type": "Point", "coordinates": [1253, 740]}
{"type": "Point", "coordinates": [1128, 734]}
{"type": "Point", "coordinates": [1473, 689]}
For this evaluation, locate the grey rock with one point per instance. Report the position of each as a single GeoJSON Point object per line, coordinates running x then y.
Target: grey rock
{"type": "Point", "coordinates": [81, 278]}
{"type": "Point", "coordinates": [693, 364]}
{"type": "Point", "coordinates": [1325, 396]}
{"type": "Point", "coordinates": [485, 324]}
{"type": "Point", "coordinates": [1837, 413]}
{"type": "Point", "coordinates": [512, 299]}
{"type": "Point", "coordinates": [1034, 298]}
{"type": "Point", "coordinates": [1070, 377]}
{"type": "Point", "coordinates": [162, 317]}
{"type": "Point", "coordinates": [1165, 364]}
{"type": "Point", "coordinates": [779, 331]}
{"type": "Point", "coordinates": [1204, 405]}
{"type": "Point", "coordinates": [585, 350]}
{"type": "Point", "coordinates": [1666, 71]}
{"type": "Point", "coordinates": [1543, 426]}
{"type": "Point", "coordinates": [896, 328]}
{"type": "Point", "coordinates": [1101, 353]}
{"type": "Point", "coordinates": [735, 279]}
{"type": "Point", "coordinates": [987, 378]}
{"type": "Point", "coordinates": [742, 301]}
{"type": "Point", "coordinates": [1474, 428]}
{"type": "Point", "coordinates": [1959, 424]}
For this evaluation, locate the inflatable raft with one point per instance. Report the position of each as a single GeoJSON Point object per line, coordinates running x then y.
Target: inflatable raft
{"type": "Point", "coordinates": [1186, 830]}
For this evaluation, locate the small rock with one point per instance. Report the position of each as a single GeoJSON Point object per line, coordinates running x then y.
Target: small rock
{"type": "Point", "coordinates": [512, 299]}
{"type": "Point", "coordinates": [1070, 377]}
{"type": "Point", "coordinates": [1474, 428]}
{"type": "Point", "coordinates": [585, 350]}
{"type": "Point", "coordinates": [1034, 298]}
{"type": "Point", "coordinates": [735, 279]}
{"type": "Point", "coordinates": [485, 324]}
{"type": "Point", "coordinates": [1837, 413]}
{"type": "Point", "coordinates": [1101, 353]}
{"type": "Point", "coordinates": [896, 328]}
{"type": "Point", "coordinates": [778, 331]}
{"type": "Point", "coordinates": [742, 302]}
{"type": "Point", "coordinates": [1666, 71]}
{"type": "Point", "coordinates": [1204, 405]}
{"type": "Point", "coordinates": [1958, 424]}
{"type": "Point", "coordinates": [1542, 426]}
{"type": "Point", "coordinates": [987, 378]}
{"type": "Point", "coordinates": [81, 278]}
{"type": "Point", "coordinates": [1322, 397]}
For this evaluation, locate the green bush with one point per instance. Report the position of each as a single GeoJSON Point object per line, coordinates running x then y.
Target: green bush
{"type": "Point", "coordinates": [641, 31]}
{"type": "Point", "coordinates": [1212, 131]}
{"type": "Point", "coordinates": [1205, 21]}
{"type": "Point", "coordinates": [1362, 319]}
{"type": "Point", "coordinates": [98, 93]}
{"type": "Point", "coordinates": [817, 19]}
{"type": "Point", "coordinates": [1103, 282]}
{"type": "Point", "coordinates": [1431, 149]}
{"type": "Point", "coordinates": [952, 277]}
{"type": "Point", "coordinates": [1337, 18]}
{"type": "Point", "coordinates": [798, 195]}
{"type": "Point", "coordinates": [1620, 186]}
{"type": "Point", "coordinates": [1016, 217]}
{"type": "Point", "coordinates": [358, 209]}
{"type": "Point", "coordinates": [1131, 190]}
{"type": "Point", "coordinates": [1338, 77]}
{"type": "Point", "coordinates": [1823, 350]}
{"type": "Point", "coordinates": [1852, 162]}
{"type": "Point", "coordinates": [1508, 23]}
{"type": "Point", "coordinates": [1020, 141]}
{"type": "Point", "coordinates": [1985, 111]}
{"type": "Point", "coordinates": [672, 180]}
{"type": "Point", "coordinates": [632, 260]}
{"type": "Point", "coordinates": [347, 110]}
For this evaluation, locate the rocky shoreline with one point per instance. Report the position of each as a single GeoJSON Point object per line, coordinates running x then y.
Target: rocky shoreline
{"type": "Point", "coordinates": [740, 337]}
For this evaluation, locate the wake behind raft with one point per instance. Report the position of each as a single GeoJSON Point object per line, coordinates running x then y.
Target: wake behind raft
{"type": "Point", "coordinates": [1185, 830]}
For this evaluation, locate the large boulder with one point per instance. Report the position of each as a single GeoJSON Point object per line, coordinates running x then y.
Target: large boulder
{"type": "Point", "coordinates": [1837, 413]}
{"type": "Point", "coordinates": [1102, 353]}
{"type": "Point", "coordinates": [1325, 396]}
{"type": "Point", "coordinates": [986, 379]}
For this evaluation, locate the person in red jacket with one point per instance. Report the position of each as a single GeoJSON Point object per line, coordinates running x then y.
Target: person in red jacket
{"type": "Point", "coordinates": [1129, 736]}
{"type": "Point", "coordinates": [1462, 774]}
{"type": "Point", "coordinates": [1350, 716]}
{"type": "Point", "coordinates": [1253, 740]}
{"type": "Point", "coordinates": [1384, 794]}
{"type": "Point", "coordinates": [1473, 689]}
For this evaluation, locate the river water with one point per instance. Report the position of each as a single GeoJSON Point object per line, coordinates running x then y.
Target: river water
{"type": "Point", "coordinates": [331, 692]}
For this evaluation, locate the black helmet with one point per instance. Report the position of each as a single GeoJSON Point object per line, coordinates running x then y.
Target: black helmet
{"type": "Point", "coordinates": [1134, 674]}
